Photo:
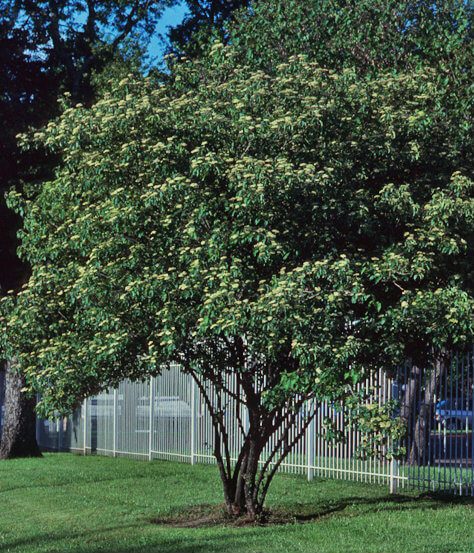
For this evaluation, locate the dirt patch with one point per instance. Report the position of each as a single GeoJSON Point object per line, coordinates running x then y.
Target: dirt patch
{"type": "Point", "coordinates": [197, 516]}
{"type": "Point", "coordinates": [207, 516]}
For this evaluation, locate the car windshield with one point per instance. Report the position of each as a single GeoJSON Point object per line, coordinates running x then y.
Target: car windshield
{"type": "Point", "coordinates": [459, 403]}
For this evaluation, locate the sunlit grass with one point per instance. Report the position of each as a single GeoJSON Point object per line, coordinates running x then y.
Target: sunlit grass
{"type": "Point", "coordinates": [67, 503]}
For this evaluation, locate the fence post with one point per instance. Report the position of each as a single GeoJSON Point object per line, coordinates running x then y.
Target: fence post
{"type": "Point", "coordinates": [59, 430]}
{"type": "Point", "coordinates": [193, 421]}
{"type": "Point", "coordinates": [37, 431]}
{"type": "Point", "coordinates": [310, 431]}
{"type": "Point", "coordinates": [393, 388]}
{"type": "Point", "coordinates": [37, 424]}
{"type": "Point", "coordinates": [84, 445]}
{"type": "Point", "coordinates": [151, 414]}
{"type": "Point", "coordinates": [114, 446]}
{"type": "Point", "coordinates": [393, 476]}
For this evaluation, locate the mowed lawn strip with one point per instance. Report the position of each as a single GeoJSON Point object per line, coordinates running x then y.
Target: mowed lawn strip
{"type": "Point", "coordinates": [65, 503]}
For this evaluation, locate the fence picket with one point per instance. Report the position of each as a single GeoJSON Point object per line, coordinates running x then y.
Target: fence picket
{"type": "Point", "coordinates": [165, 418]}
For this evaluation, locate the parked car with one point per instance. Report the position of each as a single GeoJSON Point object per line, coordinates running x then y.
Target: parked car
{"type": "Point", "coordinates": [455, 414]}
{"type": "Point", "coordinates": [164, 407]}
{"type": "Point", "coordinates": [103, 405]}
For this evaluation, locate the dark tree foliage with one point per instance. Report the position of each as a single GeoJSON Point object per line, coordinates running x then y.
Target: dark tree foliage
{"type": "Point", "coordinates": [48, 48]}
{"type": "Point", "coordinates": [205, 18]}
{"type": "Point", "coordinates": [371, 35]}
{"type": "Point", "coordinates": [26, 99]}
{"type": "Point", "coordinates": [82, 36]}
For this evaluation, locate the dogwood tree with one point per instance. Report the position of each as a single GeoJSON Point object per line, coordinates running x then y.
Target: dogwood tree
{"type": "Point", "coordinates": [295, 230]}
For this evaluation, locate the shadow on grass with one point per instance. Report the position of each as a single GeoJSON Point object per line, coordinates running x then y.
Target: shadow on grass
{"type": "Point", "coordinates": [425, 501]}
{"type": "Point", "coordinates": [88, 535]}
{"type": "Point", "coordinates": [223, 538]}
{"type": "Point", "coordinates": [48, 484]}
{"type": "Point", "coordinates": [215, 515]}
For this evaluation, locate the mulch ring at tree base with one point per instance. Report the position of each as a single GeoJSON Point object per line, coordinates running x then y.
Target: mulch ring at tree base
{"type": "Point", "coordinates": [206, 516]}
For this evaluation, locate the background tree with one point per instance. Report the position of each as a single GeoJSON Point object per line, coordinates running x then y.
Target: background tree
{"type": "Point", "coordinates": [369, 34]}
{"type": "Point", "coordinates": [48, 48]}
{"type": "Point", "coordinates": [22, 98]}
{"type": "Point", "coordinates": [82, 36]}
{"type": "Point", "coordinates": [26, 98]}
{"type": "Point", "coordinates": [205, 19]}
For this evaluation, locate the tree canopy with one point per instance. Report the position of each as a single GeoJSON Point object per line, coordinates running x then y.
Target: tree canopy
{"type": "Point", "coordinates": [78, 37]}
{"type": "Point", "coordinates": [296, 226]}
{"type": "Point", "coordinates": [205, 19]}
{"type": "Point", "coordinates": [371, 35]}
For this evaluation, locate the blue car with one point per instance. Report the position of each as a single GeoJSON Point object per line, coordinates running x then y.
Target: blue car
{"type": "Point", "coordinates": [455, 414]}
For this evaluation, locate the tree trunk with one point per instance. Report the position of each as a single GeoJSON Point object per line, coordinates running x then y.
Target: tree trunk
{"type": "Point", "coordinates": [422, 427]}
{"type": "Point", "coordinates": [241, 489]}
{"type": "Point", "coordinates": [19, 424]}
{"type": "Point", "coordinates": [245, 489]}
{"type": "Point", "coordinates": [409, 398]}
{"type": "Point", "coordinates": [246, 480]}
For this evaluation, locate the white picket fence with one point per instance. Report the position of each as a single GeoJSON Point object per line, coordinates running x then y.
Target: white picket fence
{"type": "Point", "coordinates": [166, 418]}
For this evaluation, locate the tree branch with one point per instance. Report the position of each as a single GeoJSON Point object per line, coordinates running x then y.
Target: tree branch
{"type": "Point", "coordinates": [289, 446]}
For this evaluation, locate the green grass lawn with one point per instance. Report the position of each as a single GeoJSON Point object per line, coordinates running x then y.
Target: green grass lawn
{"type": "Point", "coordinates": [65, 503]}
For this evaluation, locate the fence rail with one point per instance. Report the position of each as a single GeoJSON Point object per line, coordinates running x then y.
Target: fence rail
{"type": "Point", "coordinates": [166, 418]}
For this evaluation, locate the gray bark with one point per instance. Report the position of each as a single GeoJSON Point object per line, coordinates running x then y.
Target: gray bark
{"type": "Point", "coordinates": [19, 425]}
{"type": "Point", "coordinates": [409, 400]}
{"type": "Point", "coordinates": [422, 427]}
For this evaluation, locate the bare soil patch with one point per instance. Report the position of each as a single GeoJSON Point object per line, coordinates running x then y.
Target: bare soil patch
{"type": "Point", "coordinates": [203, 516]}
{"type": "Point", "coordinates": [207, 516]}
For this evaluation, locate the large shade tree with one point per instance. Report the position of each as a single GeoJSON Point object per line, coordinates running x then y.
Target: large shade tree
{"type": "Point", "coordinates": [293, 228]}
{"type": "Point", "coordinates": [204, 20]}
{"type": "Point", "coordinates": [47, 48]}
{"type": "Point", "coordinates": [26, 98]}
